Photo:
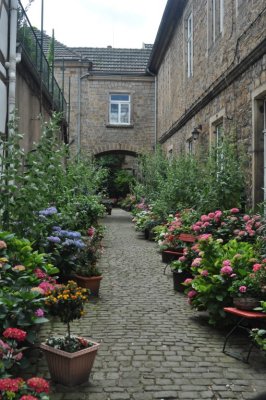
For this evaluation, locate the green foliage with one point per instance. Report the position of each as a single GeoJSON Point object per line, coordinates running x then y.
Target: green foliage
{"type": "Point", "coordinates": [215, 269]}
{"type": "Point", "coordinates": [46, 176]}
{"type": "Point", "coordinates": [202, 182]}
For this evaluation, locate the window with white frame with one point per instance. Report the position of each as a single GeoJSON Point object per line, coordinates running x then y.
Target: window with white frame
{"type": "Point", "coordinates": [119, 109]}
{"type": "Point", "coordinates": [216, 19]}
{"type": "Point", "coordinates": [189, 46]}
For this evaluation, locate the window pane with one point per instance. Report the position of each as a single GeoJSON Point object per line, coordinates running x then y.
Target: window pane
{"type": "Point", "coordinates": [124, 118]}
{"type": "Point", "coordinates": [119, 97]}
{"type": "Point", "coordinates": [114, 113]}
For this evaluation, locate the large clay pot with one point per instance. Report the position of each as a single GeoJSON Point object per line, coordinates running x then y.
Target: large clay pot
{"type": "Point", "coordinates": [92, 283]}
{"type": "Point", "coordinates": [70, 369]}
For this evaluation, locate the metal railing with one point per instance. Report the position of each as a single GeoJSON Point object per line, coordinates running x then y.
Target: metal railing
{"type": "Point", "coordinates": [26, 36]}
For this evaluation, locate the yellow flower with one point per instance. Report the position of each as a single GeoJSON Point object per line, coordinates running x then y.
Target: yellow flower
{"type": "Point", "coordinates": [3, 259]}
{"type": "Point", "coordinates": [19, 268]}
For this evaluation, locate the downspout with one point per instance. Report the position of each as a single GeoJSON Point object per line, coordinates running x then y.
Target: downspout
{"type": "Point", "coordinates": [80, 77]}
{"type": "Point", "coordinates": [155, 107]}
{"type": "Point", "coordinates": [14, 58]}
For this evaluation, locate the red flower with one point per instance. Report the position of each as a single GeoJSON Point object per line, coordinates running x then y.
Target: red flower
{"type": "Point", "coordinates": [38, 384]}
{"type": "Point", "coordinates": [28, 397]}
{"type": "Point", "coordinates": [11, 385]}
{"type": "Point", "coordinates": [14, 333]}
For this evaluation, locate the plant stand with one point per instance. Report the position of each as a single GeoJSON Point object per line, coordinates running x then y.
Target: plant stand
{"type": "Point", "coordinates": [70, 369]}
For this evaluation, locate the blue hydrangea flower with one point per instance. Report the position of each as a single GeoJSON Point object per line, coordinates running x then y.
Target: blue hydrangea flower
{"type": "Point", "coordinates": [48, 211]}
{"type": "Point", "coordinates": [56, 228]}
{"type": "Point", "coordinates": [54, 239]}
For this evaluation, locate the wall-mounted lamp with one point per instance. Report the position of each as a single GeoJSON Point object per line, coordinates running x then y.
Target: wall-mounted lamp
{"type": "Point", "coordinates": [196, 131]}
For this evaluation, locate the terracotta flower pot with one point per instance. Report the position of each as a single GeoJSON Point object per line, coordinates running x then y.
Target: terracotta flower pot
{"type": "Point", "coordinates": [70, 369]}
{"type": "Point", "coordinates": [92, 283]}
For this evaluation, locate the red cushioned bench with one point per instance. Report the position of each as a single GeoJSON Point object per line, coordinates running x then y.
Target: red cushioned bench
{"type": "Point", "coordinates": [243, 315]}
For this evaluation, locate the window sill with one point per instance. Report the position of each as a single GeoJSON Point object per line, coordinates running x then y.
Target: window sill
{"type": "Point", "coordinates": [120, 126]}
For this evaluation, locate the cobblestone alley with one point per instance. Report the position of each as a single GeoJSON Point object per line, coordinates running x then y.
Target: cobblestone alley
{"type": "Point", "coordinates": [153, 346]}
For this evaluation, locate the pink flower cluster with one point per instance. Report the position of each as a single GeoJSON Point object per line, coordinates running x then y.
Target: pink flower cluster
{"type": "Point", "coordinates": [14, 385]}
{"type": "Point", "coordinates": [91, 231]}
{"type": "Point", "coordinates": [213, 218]}
{"type": "Point", "coordinates": [226, 268]}
{"type": "Point", "coordinates": [14, 333]}
{"type": "Point", "coordinates": [39, 385]}
{"type": "Point", "coordinates": [196, 262]}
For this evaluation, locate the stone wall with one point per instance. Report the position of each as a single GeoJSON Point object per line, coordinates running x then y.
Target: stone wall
{"type": "Point", "coordinates": [228, 83]}
{"type": "Point", "coordinates": [89, 104]}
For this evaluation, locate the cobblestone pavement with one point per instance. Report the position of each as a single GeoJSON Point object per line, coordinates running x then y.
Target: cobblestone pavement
{"type": "Point", "coordinates": [153, 346]}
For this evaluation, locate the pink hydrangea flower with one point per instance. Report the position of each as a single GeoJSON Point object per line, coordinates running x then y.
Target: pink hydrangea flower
{"type": "Point", "coordinates": [226, 263]}
{"type": "Point", "coordinates": [234, 210]}
{"type": "Point", "coordinates": [218, 213]}
{"type": "Point", "coordinates": [242, 289]}
{"type": "Point", "coordinates": [39, 313]}
{"type": "Point", "coordinates": [246, 218]}
{"type": "Point", "coordinates": [46, 286]}
{"type": "Point", "coordinates": [187, 281]}
{"type": "Point", "coordinates": [205, 218]}
{"type": "Point", "coordinates": [182, 259]}
{"type": "Point", "coordinates": [211, 215]}
{"type": "Point", "coordinates": [192, 293]}
{"type": "Point", "coordinates": [196, 228]}
{"type": "Point", "coordinates": [204, 273]}
{"type": "Point", "coordinates": [256, 267]}
{"type": "Point", "coordinates": [196, 262]}
{"type": "Point", "coordinates": [226, 270]}
{"type": "Point", "coordinates": [205, 236]}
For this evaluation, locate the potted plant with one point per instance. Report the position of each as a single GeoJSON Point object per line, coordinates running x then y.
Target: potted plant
{"type": "Point", "coordinates": [250, 290]}
{"type": "Point", "coordinates": [181, 268]}
{"type": "Point", "coordinates": [70, 358]}
{"type": "Point", "coordinates": [87, 274]}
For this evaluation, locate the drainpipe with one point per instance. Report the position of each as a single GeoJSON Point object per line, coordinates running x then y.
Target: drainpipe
{"type": "Point", "coordinates": [155, 107]}
{"type": "Point", "coordinates": [14, 58]}
{"type": "Point", "coordinates": [80, 77]}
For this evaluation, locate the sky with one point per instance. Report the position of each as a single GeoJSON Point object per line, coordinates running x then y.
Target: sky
{"type": "Point", "coordinates": [99, 23]}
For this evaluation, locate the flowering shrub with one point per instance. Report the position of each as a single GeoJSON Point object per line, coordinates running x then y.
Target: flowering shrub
{"type": "Point", "coordinates": [64, 247]}
{"type": "Point", "coordinates": [11, 352]}
{"type": "Point", "coordinates": [18, 389]}
{"type": "Point", "coordinates": [175, 225]}
{"type": "Point", "coordinates": [215, 269]}
{"type": "Point", "coordinates": [229, 224]}
{"type": "Point", "coordinates": [253, 284]}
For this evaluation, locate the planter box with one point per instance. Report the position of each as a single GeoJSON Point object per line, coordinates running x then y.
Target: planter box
{"type": "Point", "coordinates": [70, 369]}
{"type": "Point", "coordinates": [179, 278]}
{"type": "Point", "coordinates": [92, 283]}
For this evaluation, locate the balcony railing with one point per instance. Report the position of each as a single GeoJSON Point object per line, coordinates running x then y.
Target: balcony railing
{"type": "Point", "coordinates": [31, 46]}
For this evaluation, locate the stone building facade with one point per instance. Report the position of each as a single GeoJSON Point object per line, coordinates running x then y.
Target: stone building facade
{"type": "Point", "coordinates": [22, 90]}
{"type": "Point", "coordinates": [210, 60]}
{"type": "Point", "coordinates": [111, 98]}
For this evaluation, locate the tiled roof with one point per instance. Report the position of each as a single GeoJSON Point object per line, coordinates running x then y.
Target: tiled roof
{"type": "Point", "coordinates": [104, 60]}
{"type": "Point", "coordinates": [112, 60]}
